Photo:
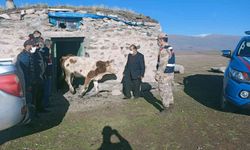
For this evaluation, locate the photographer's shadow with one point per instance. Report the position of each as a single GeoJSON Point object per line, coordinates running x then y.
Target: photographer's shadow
{"type": "Point", "coordinates": [107, 144]}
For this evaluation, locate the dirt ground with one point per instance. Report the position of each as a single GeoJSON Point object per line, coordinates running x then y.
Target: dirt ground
{"type": "Point", "coordinates": [196, 122]}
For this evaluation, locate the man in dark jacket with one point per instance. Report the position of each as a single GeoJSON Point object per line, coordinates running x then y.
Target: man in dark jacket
{"type": "Point", "coordinates": [133, 73]}
{"type": "Point", "coordinates": [23, 65]}
{"type": "Point", "coordinates": [37, 67]}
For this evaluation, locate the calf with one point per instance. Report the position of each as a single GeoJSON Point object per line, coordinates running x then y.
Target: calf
{"type": "Point", "coordinates": [74, 66]}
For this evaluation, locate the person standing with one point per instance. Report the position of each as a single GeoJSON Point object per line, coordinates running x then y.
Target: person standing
{"type": "Point", "coordinates": [48, 72]}
{"type": "Point", "coordinates": [37, 36]}
{"type": "Point", "coordinates": [133, 73]}
{"type": "Point", "coordinates": [23, 66]}
{"type": "Point", "coordinates": [37, 67]}
{"type": "Point", "coordinates": [165, 71]}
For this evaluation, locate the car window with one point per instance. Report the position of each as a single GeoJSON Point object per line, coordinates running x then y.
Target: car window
{"type": "Point", "coordinates": [244, 49]}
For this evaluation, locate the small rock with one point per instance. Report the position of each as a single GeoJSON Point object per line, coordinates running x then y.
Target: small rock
{"type": "Point", "coordinates": [112, 15]}
{"type": "Point", "coordinates": [30, 11]}
{"type": "Point", "coordinates": [43, 16]}
{"type": "Point", "coordinates": [218, 69]}
{"type": "Point", "coordinates": [82, 12]}
{"type": "Point", "coordinates": [179, 69]}
{"type": "Point", "coordinates": [5, 16]}
{"type": "Point", "coordinates": [100, 13]}
{"type": "Point", "coordinates": [116, 92]}
{"type": "Point", "coordinates": [15, 16]}
{"type": "Point", "coordinates": [40, 12]}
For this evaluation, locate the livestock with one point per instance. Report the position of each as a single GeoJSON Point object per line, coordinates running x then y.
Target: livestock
{"type": "Point", "coordinates": [87, 67]}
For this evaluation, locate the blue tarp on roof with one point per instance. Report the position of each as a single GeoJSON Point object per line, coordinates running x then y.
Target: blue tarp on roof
{"type": "Point", "coordinates": [76, 16]}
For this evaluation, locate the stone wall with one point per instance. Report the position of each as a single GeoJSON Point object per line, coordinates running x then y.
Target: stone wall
{"type": "Point", "coordinates": [104, 38]}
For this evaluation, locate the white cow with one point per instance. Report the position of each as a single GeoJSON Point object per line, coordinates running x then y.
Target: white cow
{"type": "Point", "coordinates": [74, 66]}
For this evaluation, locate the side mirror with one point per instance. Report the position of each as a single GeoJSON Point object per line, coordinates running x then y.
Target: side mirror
{"type": "Point", "coordinates": [227, 53]}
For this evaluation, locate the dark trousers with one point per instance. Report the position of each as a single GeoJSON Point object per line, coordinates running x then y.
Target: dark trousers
{"type": "Point", "coordinates": [46, 92]}
{"type": "Point", "coordinates": [30, 104]}
{"type": "Point", "coordinates": [136, 84]}
{"type": "Point", "coordinates": [131, 85]}
{"type": "Point", "coordinates": [37, 96]}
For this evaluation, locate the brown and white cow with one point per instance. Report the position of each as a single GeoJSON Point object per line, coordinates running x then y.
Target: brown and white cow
{"type": "Point", "coordinates": [74, 66]}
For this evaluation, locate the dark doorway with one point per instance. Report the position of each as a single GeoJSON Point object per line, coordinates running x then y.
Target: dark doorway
{"type": "Point", "coordinates": [63, 46]}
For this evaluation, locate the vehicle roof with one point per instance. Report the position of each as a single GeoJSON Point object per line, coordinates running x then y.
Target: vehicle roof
{"type": "Point", "coordinates": [247, 37]}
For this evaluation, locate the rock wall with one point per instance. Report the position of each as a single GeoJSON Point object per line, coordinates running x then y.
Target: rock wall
{"type": "Point", "coordinates": [104, 38]}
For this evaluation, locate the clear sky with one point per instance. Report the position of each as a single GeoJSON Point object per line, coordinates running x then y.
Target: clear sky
{"type": "Point", "coordinates": [186, 17]}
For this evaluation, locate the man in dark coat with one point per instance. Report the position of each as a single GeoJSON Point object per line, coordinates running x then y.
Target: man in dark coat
{"type": "Point", "coordinates": [37, 66]}
{"type": "Point", "coordinates": [133, 73]}
{"type": "Point", "coordinates": [23, 66]}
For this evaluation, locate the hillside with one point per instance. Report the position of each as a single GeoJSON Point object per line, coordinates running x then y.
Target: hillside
{"type": "Point", "coordinates": [203, 43]}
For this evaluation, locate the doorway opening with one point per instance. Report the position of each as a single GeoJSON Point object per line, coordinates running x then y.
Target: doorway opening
{"type": "Point", "coordinates": [63, 46]}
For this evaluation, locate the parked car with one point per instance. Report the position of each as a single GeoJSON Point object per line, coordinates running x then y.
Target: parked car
{"type": "Point", "coordinates": [13, 109]}
{"type": "Point", "coordinates": [236, 82]}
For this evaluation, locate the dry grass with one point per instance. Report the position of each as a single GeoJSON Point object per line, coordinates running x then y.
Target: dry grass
{"type": "Point", "coordinates": [120, 12]}
{"type": "Point", "coordinates": [195, 122]}
{"type": "Point", "coordinates": [123, 13]}
{"type": "Point", "coordinates": [38, 5]}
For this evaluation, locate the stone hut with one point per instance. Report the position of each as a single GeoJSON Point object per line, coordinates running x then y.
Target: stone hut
{"type": "Point", "coordinates": [103, 39]}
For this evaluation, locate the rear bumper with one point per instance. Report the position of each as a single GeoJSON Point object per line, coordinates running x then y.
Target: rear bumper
{"type": "Point", "coordinates": [11, 108]}
{"type": "Point", "coordinates": [232, 91]}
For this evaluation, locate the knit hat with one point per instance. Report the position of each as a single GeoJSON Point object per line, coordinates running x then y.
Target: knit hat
{"type": "Point", "coordinates": [28, 42]}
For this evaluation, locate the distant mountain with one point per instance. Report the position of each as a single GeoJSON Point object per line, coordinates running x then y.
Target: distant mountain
{"type": "Point", "coordinates": [203, 42]}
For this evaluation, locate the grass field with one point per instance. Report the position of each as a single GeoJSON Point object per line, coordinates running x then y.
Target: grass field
{"type": "Point", "coordinates": [194, 123]}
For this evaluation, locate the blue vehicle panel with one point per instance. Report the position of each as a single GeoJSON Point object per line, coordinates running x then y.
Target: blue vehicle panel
{"type": "Point", "coordinates": [236, 83]}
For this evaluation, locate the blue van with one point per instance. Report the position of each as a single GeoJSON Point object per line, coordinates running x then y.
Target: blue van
{"type": "Point", "coordinates": [236, 82]}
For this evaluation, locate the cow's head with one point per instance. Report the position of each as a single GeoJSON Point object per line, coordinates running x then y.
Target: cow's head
{"type": "Point", "coordinates": [110, 67]}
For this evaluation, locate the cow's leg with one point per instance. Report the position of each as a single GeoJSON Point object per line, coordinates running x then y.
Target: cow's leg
{"type": "Point", "coordinates": [71, 78]}
{"type": "Point", "coordinates": [84, 89]}
{"type": "Point", "coordinates": [85, 86]}
{"type": "Point", "coordinates": [68, 81]}
{"type": "Point", "coordinates": [96, 85]}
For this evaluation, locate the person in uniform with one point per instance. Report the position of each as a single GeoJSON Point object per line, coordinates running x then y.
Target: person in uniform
{"type": "Point", "coordinates": [165, 71]}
